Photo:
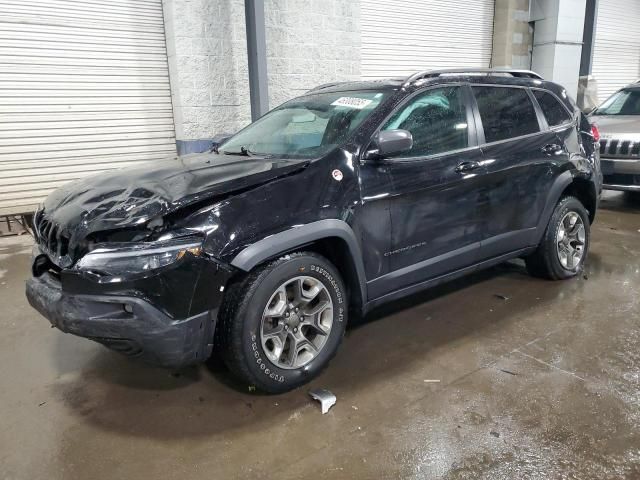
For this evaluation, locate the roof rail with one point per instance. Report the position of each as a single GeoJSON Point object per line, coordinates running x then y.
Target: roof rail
{"type": "Point", "coordinates": [481, 71]}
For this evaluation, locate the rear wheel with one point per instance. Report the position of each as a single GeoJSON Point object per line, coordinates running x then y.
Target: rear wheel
{"type": "Point", "coordinates": [284, 322]}
{"type": "Point", "coordinates": [564, 246]}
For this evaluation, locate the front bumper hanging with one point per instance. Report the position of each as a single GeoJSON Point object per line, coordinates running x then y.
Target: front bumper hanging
{"type": "Point", "coordinates": [130, 320]}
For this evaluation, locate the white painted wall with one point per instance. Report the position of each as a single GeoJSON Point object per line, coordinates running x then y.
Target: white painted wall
{"type": "Point", "coordinates": [207, 50]}
{"type": "Point", "coordinates": [309, 42]}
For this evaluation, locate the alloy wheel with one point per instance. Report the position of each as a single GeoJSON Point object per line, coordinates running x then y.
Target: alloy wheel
{"type": "Point", "coordinates": [296, 322]}
{"type": "Point", "coordinates": [570, 240]}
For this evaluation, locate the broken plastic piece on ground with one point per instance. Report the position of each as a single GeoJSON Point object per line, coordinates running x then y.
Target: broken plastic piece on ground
{"type": "Point", "coordinates": [500, 296]}
{"type": "Point", "coordinates": [325, 397]}
{"type": "Point", "coordinates": [431, 381]}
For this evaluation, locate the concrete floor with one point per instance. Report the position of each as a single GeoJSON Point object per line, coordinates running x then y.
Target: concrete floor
{"type": "Point", "coordinates": [544, 384]}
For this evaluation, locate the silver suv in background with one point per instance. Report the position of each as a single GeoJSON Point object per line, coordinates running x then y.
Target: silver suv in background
{"type": "Point", "coordinates": [618, 122]}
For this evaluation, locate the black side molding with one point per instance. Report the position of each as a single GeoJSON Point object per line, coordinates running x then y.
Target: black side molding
{"type": "Point", "coordinates": [560, 183]}
{"type": "Point", "coordinates": [285, 241]}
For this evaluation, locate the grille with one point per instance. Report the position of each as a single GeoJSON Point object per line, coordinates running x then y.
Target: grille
{"type": "Point", "coordinates": [619, 148]}
{"type": "Point", "coordinates": [51, 238]}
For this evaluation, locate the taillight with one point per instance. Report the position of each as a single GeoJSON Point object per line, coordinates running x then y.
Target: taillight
{"type": "Point", "coordinates": [595, 132]}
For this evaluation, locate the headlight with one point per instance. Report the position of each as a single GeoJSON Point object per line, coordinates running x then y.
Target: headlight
{"type": "Point", "coordinates": [137, 259]}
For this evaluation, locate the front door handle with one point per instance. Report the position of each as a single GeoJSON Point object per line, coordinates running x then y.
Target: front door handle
{"type": "Point", "coordinates": [552, 149]}
{"type": "Point", "coordinates": [465, 167]}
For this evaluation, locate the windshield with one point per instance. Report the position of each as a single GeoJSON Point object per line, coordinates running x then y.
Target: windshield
{"type": "Point", "coordinates": [307, 126]}
{"type": "Point", "coordinates": [624, 102]}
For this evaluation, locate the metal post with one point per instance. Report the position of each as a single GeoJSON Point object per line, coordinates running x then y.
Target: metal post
{"type": "Point", "coordinates": [257, 57]}
{"type": "Point", "coordinates": [589, 37]}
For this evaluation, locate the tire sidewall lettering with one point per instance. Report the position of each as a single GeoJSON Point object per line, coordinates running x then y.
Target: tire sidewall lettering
{"type": "Point", "coordinates": [258, 362]}
{"type": "Point", "coordinates": [261, 363]}
{"type": "Point", "coordinates": [334, 284]}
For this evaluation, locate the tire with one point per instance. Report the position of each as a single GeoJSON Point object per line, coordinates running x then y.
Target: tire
{"type": "Point", "coordinates": [251, 344]}
{"type": "Point", "coordinates": [551, 260]}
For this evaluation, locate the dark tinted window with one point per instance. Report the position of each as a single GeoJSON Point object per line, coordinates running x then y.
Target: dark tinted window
{"type": "Point", "coordinates": [553, 110]}
{"type": "Point", "coordinates": [505, 112]}
{"type": "Point", "coordinates": [437, 119]}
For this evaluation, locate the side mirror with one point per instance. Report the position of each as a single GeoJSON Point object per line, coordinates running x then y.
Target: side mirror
{"type": "Point", "coordinates": [388, 142]}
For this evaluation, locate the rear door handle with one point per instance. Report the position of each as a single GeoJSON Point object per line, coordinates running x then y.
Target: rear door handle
{"type": "Point", "coordinates": [552, 149]}
{"type": "Point", "coordinates": [465, 167]}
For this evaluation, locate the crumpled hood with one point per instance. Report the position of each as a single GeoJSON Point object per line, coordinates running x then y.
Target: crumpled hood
{"type": "Point", "coordinates": [132, 196]}
{"type": "Point", "coordinates": [617, 124]}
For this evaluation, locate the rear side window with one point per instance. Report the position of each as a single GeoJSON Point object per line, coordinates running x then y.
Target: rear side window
{"type": "Point", "coordinates": [505, 112]}
{"type": "Point", "coordinates": [553, 110]}
{"type": "Point", "coordinates": [437, 120]}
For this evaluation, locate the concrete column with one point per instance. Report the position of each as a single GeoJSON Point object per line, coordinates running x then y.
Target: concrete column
{"type": "Point", "coordinates": [557, 40]}
{"type": "Point", "coordinates": [512, 34]}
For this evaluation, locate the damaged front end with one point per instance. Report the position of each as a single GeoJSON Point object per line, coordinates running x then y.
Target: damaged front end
{"type": "Point", "coordinates": [154, 300]}
{"type": "Point", "coordinates": [120, 257]}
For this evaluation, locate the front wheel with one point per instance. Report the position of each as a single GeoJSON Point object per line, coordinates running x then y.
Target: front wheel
{"type": "Point", "coordinates": [284, 322]}
{"type": "Point", "coordinates": [565, 242]}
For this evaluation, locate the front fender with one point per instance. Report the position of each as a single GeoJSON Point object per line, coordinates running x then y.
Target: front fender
{"type": "Point", "coordinates": [288, 240]}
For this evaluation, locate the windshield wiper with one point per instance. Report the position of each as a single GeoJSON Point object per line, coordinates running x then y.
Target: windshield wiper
{"type": "Point", "coordinates": [244, 152]}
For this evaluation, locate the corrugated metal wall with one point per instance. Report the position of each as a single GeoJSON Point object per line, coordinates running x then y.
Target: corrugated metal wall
{"type": "Point", "coordinates": [402, 36]}
{"type": "Point", "coordinates": [84, 87]}
{"type": "Point", "coordinates": [616, 53]}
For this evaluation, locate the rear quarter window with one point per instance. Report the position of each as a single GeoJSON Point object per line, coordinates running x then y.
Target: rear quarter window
{"type": "Point", "coordinates": [505, 112]}
{"type": "Point", "coordinates": [553, 110]}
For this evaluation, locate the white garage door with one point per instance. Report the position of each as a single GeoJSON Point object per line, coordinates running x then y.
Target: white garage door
{"type": "Point", "coordinates": [616, 54]}
{"type": "Point", "coordinates": [402, 36]}
{"type": "Point", "coordinates": [84, 87]}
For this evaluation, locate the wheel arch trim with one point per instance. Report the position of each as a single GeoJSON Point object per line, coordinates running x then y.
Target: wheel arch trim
{"type": "Point", "coordinates": [561, 183]}
{"type": "Point", "coordinates": [292, 238]}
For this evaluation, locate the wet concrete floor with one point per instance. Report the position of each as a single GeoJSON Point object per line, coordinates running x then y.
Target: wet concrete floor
{"type": "Point", "coordinates": [497, 376]}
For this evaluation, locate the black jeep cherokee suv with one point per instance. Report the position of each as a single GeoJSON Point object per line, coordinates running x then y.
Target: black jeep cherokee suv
{"type": "Point", "coordinates": [335, 202]}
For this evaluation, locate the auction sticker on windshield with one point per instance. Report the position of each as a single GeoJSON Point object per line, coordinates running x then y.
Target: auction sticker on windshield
{"type": "Point", "coordinates": [352, 102]}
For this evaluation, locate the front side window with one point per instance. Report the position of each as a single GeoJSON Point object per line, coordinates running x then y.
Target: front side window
{"type": "Point", "coordinates": [553, 110]}
{"type": "Point", "coordinates": [505, 112]}
{"type": "Point", "coordinates": [624, 102]}
{"type": "Point", "coordinates": [437, 120]}
{"type": "Point", "coordinates": [306, 127]}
